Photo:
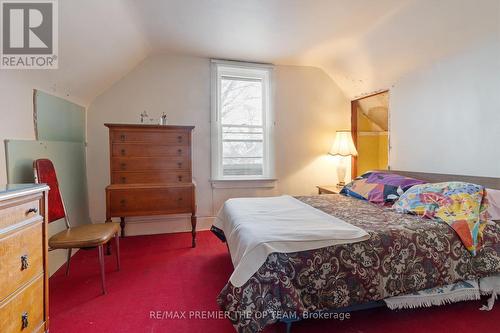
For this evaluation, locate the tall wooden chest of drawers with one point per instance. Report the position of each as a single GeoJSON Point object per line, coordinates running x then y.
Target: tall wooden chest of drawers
{"type": "Point", "coordinates": [23, 258]}
{"type": "Point", "coordinates": [151, 172]}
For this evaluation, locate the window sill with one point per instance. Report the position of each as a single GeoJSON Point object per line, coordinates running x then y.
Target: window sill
{"type": "Point", "coordinates": [243, 183]}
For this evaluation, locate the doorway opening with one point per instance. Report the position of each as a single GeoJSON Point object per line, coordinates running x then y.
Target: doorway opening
{"type": "Point", "coordinates": [370, 133]}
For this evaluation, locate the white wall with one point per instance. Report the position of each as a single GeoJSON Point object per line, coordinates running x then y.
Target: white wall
{"type": "Point", "coordinates": [16, 106]}
{"type": "Point", "coordinates": [88, 63]}
{"type": "Point", "coordinates": [16, 122]}
{"type": "Point", "coordinates": [446, 118]}
{"type": "Point", "coordinates": [309, 108]}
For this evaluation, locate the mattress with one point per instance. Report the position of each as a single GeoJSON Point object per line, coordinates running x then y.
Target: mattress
{"type": "Point", "coordinates": [404, 254]}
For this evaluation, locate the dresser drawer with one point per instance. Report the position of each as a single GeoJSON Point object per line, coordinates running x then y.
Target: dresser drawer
{"type": "Point", "coordinates": [150, 177]}
{"type": "Point", "coordinates": [145, 150]}
{"type": "Point", "coordinates": [21, 258]}
{"type": "Point", "coordinates": [150, 201]}
{"type": "Point", "coordinates": [150, 136]}
{"type": "Point", "coordinates": [18, 210]}
{"type": "Point", "coordinates": [27, 302]}
{"type": "Point", "coordinates": [149, 163]}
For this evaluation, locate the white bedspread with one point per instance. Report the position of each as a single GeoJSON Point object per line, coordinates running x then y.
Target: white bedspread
{"type": "Point", "coordinates": [256, 227]}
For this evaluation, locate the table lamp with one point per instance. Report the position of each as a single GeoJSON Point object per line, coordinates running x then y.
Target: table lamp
{"type": "Point", "coordinates": [343, 146]}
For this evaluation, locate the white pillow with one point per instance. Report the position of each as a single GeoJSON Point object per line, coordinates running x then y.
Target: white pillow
{"type": "Point", "coordinates": [493, 197]}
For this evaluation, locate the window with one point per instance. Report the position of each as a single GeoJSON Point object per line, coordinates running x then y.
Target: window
{"type": "Point", "coordinates": [241, 121]}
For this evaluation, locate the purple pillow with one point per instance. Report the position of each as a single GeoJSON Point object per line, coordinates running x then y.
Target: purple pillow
{"type": "Point", "coordinates": [379, 187]}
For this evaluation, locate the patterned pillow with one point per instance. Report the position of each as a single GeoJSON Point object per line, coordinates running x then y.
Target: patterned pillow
{"type": "Point", "coordinates": [379, 187]}
{"type": "Point", "coordinates": [463, 206]}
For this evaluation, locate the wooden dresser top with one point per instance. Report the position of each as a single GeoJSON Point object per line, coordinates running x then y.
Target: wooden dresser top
{"type": "Point", "coordinates": [149, 126]}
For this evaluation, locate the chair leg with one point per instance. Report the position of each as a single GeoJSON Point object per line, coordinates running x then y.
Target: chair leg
{"type": "Point", "coordinates": [193, 230]}
{"type": "Point", "coordinates": [101, 263]}
{"type": "Point", "coordinates": [108, 248]}
{"type": "Point", "coordinates": [67, 261]}
{"type": "Point", "coordinates": [117, 243]}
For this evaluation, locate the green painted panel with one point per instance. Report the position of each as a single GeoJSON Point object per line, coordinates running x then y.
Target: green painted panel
{"type": "Point", "coordinates": [58, 119]}
{"type": "Point", "coordinates": [69, 161]}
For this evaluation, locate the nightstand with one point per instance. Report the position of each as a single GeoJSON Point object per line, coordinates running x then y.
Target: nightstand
{"type": "Point", "coordinates": [329, 189]}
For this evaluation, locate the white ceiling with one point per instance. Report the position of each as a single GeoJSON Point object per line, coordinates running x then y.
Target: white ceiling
{"type": "Point", "coordinates": [99, 42]}
{"type": "Point", "coordinates": [364, 45]}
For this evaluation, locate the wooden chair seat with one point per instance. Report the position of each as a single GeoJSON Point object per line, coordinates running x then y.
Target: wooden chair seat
{"type": "Point", "coordinates": [88, 235]}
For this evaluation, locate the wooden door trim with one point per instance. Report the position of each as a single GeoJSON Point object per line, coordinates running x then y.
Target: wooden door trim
{"type": "Point", "coordinates": [354, 131]}
{"type": "Point", "coordinates": [375, 93]}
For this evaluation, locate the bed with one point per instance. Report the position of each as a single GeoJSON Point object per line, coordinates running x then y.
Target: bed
{"type": "Point", "coordinates": [404, 254]}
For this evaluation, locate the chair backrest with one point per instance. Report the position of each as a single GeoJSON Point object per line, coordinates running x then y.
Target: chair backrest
{"type": "Point", "coordinates": [46, 173]}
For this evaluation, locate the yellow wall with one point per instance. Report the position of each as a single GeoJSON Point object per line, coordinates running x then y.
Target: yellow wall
{"type": "Point", "coordinates": [383, 151]}
{"type": "Point", "coordinates": [367, 153]}
{"type": "Point", "coordinates": [372, 152]}
{"type": "Point", "coordinates": [365, 124]}
{"type": "Point", "coordinates": [372, 145]}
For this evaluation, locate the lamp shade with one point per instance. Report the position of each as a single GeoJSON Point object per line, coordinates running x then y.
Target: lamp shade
{"type": "Point", "coordinates": [343, 145]}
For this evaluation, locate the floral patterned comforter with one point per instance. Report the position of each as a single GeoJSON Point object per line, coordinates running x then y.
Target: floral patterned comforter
{"type": "Point", "coordinates": [404, 254]}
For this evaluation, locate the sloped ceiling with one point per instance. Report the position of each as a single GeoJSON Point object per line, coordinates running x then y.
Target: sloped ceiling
{"type": "Point", "coordinates": [364, 45]}
{"type": "Point", "coordinates": [99, 42]}
{"type": "Point", "coordinates": [375, 108]}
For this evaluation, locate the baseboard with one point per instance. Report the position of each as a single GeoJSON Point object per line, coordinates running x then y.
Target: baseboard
{"type": "Point", "coordinates": [150, 225]}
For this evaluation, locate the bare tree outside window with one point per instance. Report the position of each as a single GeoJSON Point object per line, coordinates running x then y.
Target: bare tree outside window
{"type": "Point", "coordinates": [242, 126]}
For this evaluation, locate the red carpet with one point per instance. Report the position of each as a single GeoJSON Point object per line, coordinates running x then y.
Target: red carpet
{"type": "Point", "coordinates": [163, 273]}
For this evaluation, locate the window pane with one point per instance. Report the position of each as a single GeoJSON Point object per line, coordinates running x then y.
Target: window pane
{"type": "Point", "coordinates": [241, 101]}
{"type": "Point", "coordinates": [243, 132]}
{"type": "Point", "coordinates": [248, 167]}
{"type": "Point", "coordinates": [242, 127]}
{"type": "Point", "coordinates": [241, 118]}
{"type": "Point", "coordinates": [242, 151]}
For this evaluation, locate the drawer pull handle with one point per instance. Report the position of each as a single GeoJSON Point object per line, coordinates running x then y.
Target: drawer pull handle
{"type": "Point", "coordinates": [123, 202]}
{"type": "Point", "coordinates": [124, 180]}
{"type": "Point", "coordinates": [179, 164]}
{"type": "Point", "coordinates": [32, 210]}
{"type": "Point", "coordinates": [123, 166]}
{"type": "Point", "coordinates": [179, 151]}
{"type": "Point", "coordinates": [123, 137]}
{"type": "Point", "coordinates": [24, 262]}
{"type": "Point", "coordinates": [122, 151]}
{"type": "Point", "coordinates": [24, 320]}
{"type": "Point", "coordinates": [180, 178]}
{"type": "Point", "coordinates": [179, 139]}
{"type": "Point", "coordinates": [179, 199]}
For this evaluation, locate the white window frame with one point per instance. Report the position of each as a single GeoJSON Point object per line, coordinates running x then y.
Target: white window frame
{"type": "Point", "coordinates": [263, 72]}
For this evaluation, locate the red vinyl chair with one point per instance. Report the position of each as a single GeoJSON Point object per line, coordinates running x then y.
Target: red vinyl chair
{"type": "Point", "coordinates": [84, 236]}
